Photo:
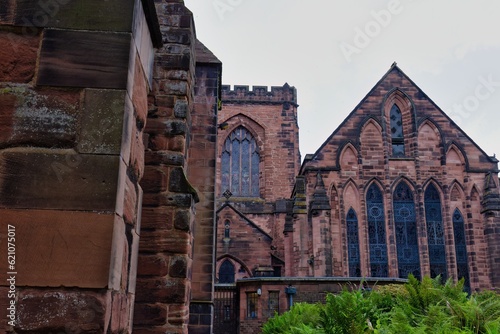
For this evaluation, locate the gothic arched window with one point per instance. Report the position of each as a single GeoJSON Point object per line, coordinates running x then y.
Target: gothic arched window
{"type": "Point", "coordinates": [406, 232]}
{"type": "Point", "coordinates": [398, 144]}
{"type": "Point", "coordinates": [435, 232]}
{"type": "Point", "coordinates": [376, 232]}
{"type": "Point", "coordinates": [227, 229]}
{"type": "Point", "coordinates": [240, 164]}
{"type": "Point", "coordinates": [353, 244]}
{"type": "Point", "coordinates": [226, 272]}
{"type": "Point", "coordinates": [461, 248]}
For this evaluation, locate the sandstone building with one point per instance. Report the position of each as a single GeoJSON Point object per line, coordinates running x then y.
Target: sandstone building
{"type": "Point", "coordinates": [144, 196]}
{"type": "Point", "coordinates": [396, 189]}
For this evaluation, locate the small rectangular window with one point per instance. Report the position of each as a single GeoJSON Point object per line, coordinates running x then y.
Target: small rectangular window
{"type": "Point", "coordinates": [252, 305]}
{"type": "Point", "coordinates": [273, 303]}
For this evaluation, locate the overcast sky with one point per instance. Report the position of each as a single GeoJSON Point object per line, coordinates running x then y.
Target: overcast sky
{"type": "Point", "coordinates": [334, 52]}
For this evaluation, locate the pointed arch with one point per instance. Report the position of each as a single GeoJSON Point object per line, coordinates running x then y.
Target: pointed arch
{"type": "Point", "coordinates": [474, 194]}
{"type": "Point", "coordinates": [348, 157]}
{"type": "Point", "coordinates": [456, 191]}
{"type": "Point", "coordinates": [235, 261]}
{"type": "Point", "coordinates": [371, 142]}
{"type": "Point", "coordinates": [226, 272]}
{"type": "Point", "coordinates": [399, 112]}
{"type": "Point", "coordinates": [461, 248]}
{"type": "Point", "coordinates": [435, 231]}
{"type": "Point", "coordinates": [455, 155]}
{"type": "Point", "coordinates": [376, 230]}
{"type": "Point", "coordinates": [406, 231]}
{"type": "Point", "coordinates": [429, 144]}
{"type": "Point", "coordinates": [351, 195]}
{"type": "Point", "coordinates": [353, 253]}
{"type": "Point", "coordinates": [240, 159]}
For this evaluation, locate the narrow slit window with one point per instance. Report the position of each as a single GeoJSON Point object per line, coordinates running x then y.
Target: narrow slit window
{"type": "Point", "coordinates": [398, 143]}
{"type": "Point", "coordinates": [353, 244]}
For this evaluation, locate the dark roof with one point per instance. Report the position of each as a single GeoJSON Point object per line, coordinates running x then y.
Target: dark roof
{"type": "Point", "coordinates": [204, 55]}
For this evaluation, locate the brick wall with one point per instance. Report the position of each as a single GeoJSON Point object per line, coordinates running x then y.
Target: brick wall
{"type": "Point", "coordinates": [73, 89]}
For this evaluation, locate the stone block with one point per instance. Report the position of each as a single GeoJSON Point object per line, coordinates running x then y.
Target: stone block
{"type": "Point", "coordinates": [18, 53]}
{"type": "Point", "coordinates": [102, 122]}
{"type": "Point", "coordinates": [155, 179]}
{"type": "Point", "coordinates": [157, 218]}
{"type": "Point", "coordinates": [140, 92]}
{"type": "Point", "coordinates": [75, 14]}
{"type": "Point", "coordinates": [168, 290]}
{"type": "Point", "coordinates": [152, 265]}
{"type": "Point", "coordinates": [38, 118]}
{"type": "Point", "coordinates": [179, 266]}
{"type": "Point", "coordinates": [56, 311]}
{"type": "Point", "coordinates": [84, 59]}
{"type": "Point", "coordinates": [177, 242]}
{"type": "Point", "coordinates": [59, 248]}
{"type": "Point", "coordinates": [33, 178]}
{"type": "Point", "coordinates": [150, 315]}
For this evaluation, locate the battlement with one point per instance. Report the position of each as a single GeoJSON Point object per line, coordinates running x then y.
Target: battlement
{"type": "Point", "coordinates": [260, 94]}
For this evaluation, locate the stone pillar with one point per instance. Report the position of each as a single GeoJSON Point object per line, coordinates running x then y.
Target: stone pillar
{"type": "Point", "coordinates": [166, 244]}
{"type": "Point", "coordinates": [73, 100]}
{"type": "Point", "coordinates": [201, 173]}
{"type": "Point", "coordinates": [491, 213]}
{"type": "Point", "coordinates": [321, 230]}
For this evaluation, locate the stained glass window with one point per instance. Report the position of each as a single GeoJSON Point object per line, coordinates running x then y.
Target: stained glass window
{"type": "Point", "coordinates": [406, 232]}
{"type": "Point", "coordinates": [435, 232]}
{"type": "Point", "coordinates": [461, 248]}
{"type": "Point", "coordinates": [398, 145]}
{"type": "Point", "coordinates": [353, 244]}
{"type": "Point", "coordinates": [376, 232]}
{"type": "Point", "coordinates": [226, 272]}
{"type": "Point", "coordinates": [240, 164]}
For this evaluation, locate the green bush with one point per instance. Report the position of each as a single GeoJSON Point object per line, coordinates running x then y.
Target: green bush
{"type": "Point", "coordinates": [302, 318]}
{"type": "Point", "coordinates": [426, 306]}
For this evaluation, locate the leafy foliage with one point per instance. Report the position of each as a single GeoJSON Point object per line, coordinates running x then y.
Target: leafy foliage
{"type": "Point", "coordinates": [426, 306]}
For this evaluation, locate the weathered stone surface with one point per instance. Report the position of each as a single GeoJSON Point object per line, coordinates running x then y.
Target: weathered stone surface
{"type": "Point", "coordinates": [18, 54]}
{"type": "Point", "coordinates": [179, 266]}
{"type": "Point", "coordinates": [153, 265]}
{"type": "Point", "coordinates": [178, 242]}
{"type": "Point", "coordinates": [155, 179]}
{"type": "Point", "coordinates": [38, 118]}
{"type": "Point", "coordinates": [59, 248]}
{"type": "Point", "coordinates": [164, 158]}
{"type": "Point", "coordinates": [84, 59]}
{"type": "Point", "coordinates": [168, 290]}
{"type": "Point", "coordinates": [55, 311]}
{"type": "Point", "coordinates": [150, 315]}
{"type": "Point", "coordinates": [32, 178]}
{"type": "Point", "coordinates": [102, 121]}
{"type": "Point", "coordinates": [75, 14]}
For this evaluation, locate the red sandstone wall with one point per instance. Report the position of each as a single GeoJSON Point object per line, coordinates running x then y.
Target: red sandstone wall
{"type": "Point", "coordinates": [166, 245]}
{"type": "Point", "coordinates": [73, 87]}
{"type": "Point", "coordinates": [359, 152]}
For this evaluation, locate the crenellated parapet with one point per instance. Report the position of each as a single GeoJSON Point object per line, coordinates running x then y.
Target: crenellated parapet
{"type": "Point", "coordinates": [260, 94]}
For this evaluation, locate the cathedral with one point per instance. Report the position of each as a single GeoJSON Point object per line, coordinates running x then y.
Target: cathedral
{"type": "Point", "coordinates": [138, 194]}
{"type": "Point", "coordinates": [397, 189]}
